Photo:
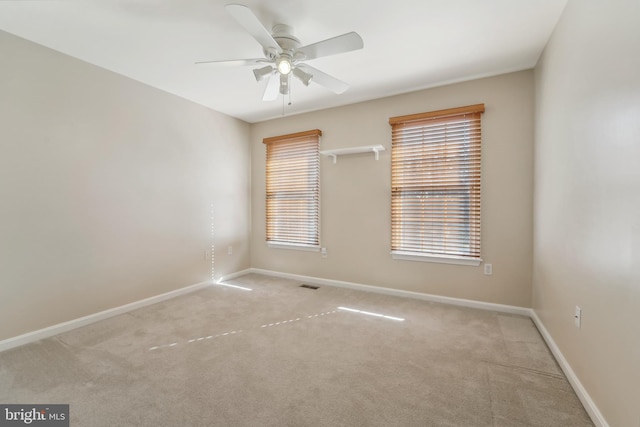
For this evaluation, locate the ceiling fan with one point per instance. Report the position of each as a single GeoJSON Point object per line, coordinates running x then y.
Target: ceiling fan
{"type": "Point", "coordinates": [285, 56]}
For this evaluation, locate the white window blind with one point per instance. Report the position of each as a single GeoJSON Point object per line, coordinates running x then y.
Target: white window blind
{"type": "Point", "coordinates": [293, 189]}
{"type": "Point", "coordinates": [435, 180]}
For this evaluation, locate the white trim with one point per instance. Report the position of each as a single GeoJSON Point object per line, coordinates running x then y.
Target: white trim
{"type": "Point", "coordinates": [511, 309]}
{"type": "Point", "coordinates": [596, 416]}
{"type": "Point", "coordinates": [443, 259]}
{"type": "Point", "coordinates": [353, 150]}
{"type": "Point", "coordinates": [591, 408]}
{"type": "Point", "coordinates": [59, 328]}
{"type": "Point", "coordinates": [581, 392]}
{"type": "Point", "coordinates": [294, 246]}
{"type": "Point", "coordinates": [234, 275]}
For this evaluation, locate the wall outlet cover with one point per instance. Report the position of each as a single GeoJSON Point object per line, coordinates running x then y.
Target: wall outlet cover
{"type": "Point", "coordinates": [488, 269]}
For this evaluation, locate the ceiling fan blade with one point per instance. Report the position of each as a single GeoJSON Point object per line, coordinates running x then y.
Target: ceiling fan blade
{"type": "Point", "coordinates": [324, 79]}
{"type": "Point", "coordinates": [234, 62]}
{"type": "Point", "coordinates": [339, 44]}
{"type": "Point", "coordinates": [272, 89]}
{"type": "Point", "coordinates": [253, 26]}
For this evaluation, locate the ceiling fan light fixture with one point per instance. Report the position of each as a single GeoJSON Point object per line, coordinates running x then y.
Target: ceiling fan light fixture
{"type": "Point", "coordinates": [284, 84]}
{"type": "Point", "coordinates": [304, 77]}
{"type": "Point", "coordinates": [284, 65]}
{"type": "Point", "coordinates": [263, 72]}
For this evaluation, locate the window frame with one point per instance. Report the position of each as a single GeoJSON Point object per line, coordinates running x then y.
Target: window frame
{"type": "Point", "coordinates": [288, 226]}
{"type": "Point", "coordinates": [436, 186]}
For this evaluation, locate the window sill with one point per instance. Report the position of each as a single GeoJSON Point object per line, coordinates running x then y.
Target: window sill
{"type": "Point", "coordinates": [293, 246]}
{"type": "Point", "coordinates": [443, 259]}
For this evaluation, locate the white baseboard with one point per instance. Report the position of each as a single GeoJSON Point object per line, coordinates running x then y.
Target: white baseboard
{"type": "Point", "coordinates": [234, 275]}
{"type": "Point", "coordinates": [523, 311]}
{"type": "Point", "coordinates": [86, 320]}
{"type": "Point", "coordinates": [581, 392]}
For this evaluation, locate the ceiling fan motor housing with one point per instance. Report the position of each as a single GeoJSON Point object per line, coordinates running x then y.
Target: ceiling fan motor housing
{"type": "Point", "coordinates": [283, 34]}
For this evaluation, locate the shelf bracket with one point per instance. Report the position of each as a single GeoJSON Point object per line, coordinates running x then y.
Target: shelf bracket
{"type": "Point", "coordinates": [377, 153]}
{"type": "Point", "coordinates": [335, 158]}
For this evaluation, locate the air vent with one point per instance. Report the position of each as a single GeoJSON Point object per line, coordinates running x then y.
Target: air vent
{"type": "Point", "coordinates": [310, 287]}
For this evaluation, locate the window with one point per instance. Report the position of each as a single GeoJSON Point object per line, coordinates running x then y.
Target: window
{"type": "Point", "coordinates": [293, 190]}
{"type": "Point", "coordinates": [435, 185]}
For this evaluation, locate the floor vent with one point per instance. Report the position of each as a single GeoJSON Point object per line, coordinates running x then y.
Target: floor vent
{"type": "Point", "coordinates": [310, 287]}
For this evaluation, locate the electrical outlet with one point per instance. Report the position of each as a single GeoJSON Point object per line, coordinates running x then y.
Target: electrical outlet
{"type": "Point", "coordinates": [577, 317]}
{"type": "Point", "coordinates": [488, 269]}
{"type": "Point", "coordinates": [230, 250]}
{"type": "Point", "coordinates": [323, 251]}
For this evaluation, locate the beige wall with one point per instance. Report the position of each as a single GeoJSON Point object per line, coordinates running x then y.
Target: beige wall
{"type": "Point", "coordinates": [106, 187]}
{"type": "Point", "coordinates": [587, 199]}
{"type": "Point", "coordinates": [355, 194]}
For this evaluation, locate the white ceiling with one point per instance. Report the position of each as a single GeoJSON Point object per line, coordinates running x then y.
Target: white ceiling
{"type": "Point", "coordinates": [408, 44]}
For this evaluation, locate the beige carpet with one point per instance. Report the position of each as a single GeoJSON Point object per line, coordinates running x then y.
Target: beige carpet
{"type": "Point", "coordinates": [282, 355]}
